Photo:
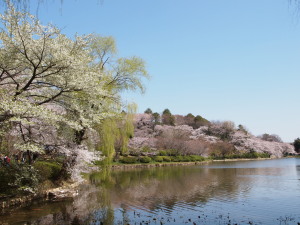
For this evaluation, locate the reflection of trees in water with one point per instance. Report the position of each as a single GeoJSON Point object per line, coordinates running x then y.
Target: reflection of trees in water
{"type": "Point", "coordinates": [156, 187]}
{"type": "Point", "coordinates": [43, 213]}
{"type": "Point", "coordinates": [298, 170]}
{"type": "Point", "coordinates": [151, 189]}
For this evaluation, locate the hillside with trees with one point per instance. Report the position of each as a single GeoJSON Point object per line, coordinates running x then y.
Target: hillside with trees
{"type": "Point", "coordinates": [195, 135]}
{"type": "Point", "coordinates": [62, 111]}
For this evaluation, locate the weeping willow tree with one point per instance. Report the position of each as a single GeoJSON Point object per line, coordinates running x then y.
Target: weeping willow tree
{"type": "Point", "coordinates": [115, 134]}
{"type": "Point", "coordinates": [108, 135]}
{"type": "Point", "coordinates": [126, 130]}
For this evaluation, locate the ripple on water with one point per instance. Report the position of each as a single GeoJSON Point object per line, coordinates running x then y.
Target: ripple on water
{"type": "Point", "coordinates": [257, 192]}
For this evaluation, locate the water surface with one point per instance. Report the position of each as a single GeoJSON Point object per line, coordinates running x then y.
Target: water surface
{"type": "Point", "coordinates": [247, 192]}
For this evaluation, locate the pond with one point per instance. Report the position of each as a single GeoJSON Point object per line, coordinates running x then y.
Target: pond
{"type": "Point", "coordinates": [244, 192]}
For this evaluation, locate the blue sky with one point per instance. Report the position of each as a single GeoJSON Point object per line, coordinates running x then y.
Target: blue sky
{"type": "Point", "coordinates": [233, 60]}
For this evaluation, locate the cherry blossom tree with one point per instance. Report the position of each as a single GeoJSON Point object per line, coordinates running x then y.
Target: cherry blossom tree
{"type": "Point", "coordinates": [50, 82]}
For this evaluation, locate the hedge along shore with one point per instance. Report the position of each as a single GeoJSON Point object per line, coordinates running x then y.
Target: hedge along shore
{"type": "Point", "coordinates": [150, 165]}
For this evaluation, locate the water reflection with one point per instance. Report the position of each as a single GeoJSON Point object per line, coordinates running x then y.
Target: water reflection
{"type": "Point", "coordinates": [264, 192]}
{"type": "Point", "coordinates": [298, 170]}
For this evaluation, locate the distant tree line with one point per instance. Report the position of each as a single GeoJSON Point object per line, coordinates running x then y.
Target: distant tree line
{"type": "Point", "coordinates": [167, 118]}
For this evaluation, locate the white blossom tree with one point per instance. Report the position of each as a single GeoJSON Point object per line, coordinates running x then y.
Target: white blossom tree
{"type": "Point", "coordinates": [49, 81]}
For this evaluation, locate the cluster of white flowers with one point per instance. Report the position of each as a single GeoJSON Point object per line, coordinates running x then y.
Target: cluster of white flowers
{"type": "Point", "coordinates": [52, 86]}
{"type": "Point", "coordinates": [28, 146]}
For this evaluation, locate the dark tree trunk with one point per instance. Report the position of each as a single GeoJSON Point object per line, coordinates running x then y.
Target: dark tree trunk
{"type": "Point", "coordinates": [79, 136]}
{"type": "Point", "coordinates": [69, 162]}
{"type": "Point", "coordinates": [29, 157]}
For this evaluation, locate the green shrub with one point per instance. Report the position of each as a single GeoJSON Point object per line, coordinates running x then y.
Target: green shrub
{"type": "Point", "coordinates": [128, 160]}
{"type": "Point", "coordinates": [163, 153]}
{"type": "Point", "coordinates": [240, 155]}
{"type": "Point", "coordinates": [221, 150]}
{"type": "Point", "coordinates": [145, 159]}
{"type": "Point", "coordinates": [172, 152]}
{"type": "Point", "coordinates": [167, 159]}
{"type": "Point", "coordinates": [158, 158]}
{"type": "Point", "coordinates": [17, 180]}
{"type": "Point", "coordinates": [7, 176]}
{"type": "Point", "coordinates": [264, 155]}
{"type": "Point", "coordinates": [146, 149]}
{"type": "Point", "coordinates": [186, 158]}
{"type": "Point", "coordinates": [178, 158]}
{"type": "Point", "coordinates": [47, 170]}
{"type": "Point", "coordinates": [174, 158]}
{"type": "Point", "coordinates": [135, 153]}
{"type": "Point", "coordinates": [197, 158]}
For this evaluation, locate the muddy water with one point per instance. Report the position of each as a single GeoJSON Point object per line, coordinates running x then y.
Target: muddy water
{"type": "Point", "coordinates": [249, 192]}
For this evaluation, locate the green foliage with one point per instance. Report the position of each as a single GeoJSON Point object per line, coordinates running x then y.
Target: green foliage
{"type": "Point", "coordinates": [135, 153]}
{"type": "Point", "coordinates": [47, 170]}
{"type": "Point", "coordinates": [146, 149]}
{"type": "Point", "coordinates": [108, 135]}
{"type": "Point", "coordinates": [7, 176]}
{"type": "Point", "coordinates": [156, 118]}
{"type": "Point", "coordinates": [101, 47]}
{"type": "Point", "coordinates": [81, 77]}
{"type": "Point", "coordinates": [158, 158]}
{"type": "Point", "coordinates": [18, 180]}
{"type": "Point", "coordinates": [197, 158]}
{"type": "Point", "coordinates": [129, 72]}
{"type": "Point", "coordinates": [297, 145]}
{"type": "Point", "coordinates": [145, 159]}
{"type": "Point", "coordinates": [221, 149]}
{"type": "Point", "coordinates": [189, 120]}
{"type": "Point", "coordinates": [148, 111]}
{"type": "Point", "coordinates": [163, 153]}
{"type": "Point", "coordinates": [66, 132]}
{"type": "Point", "coordinates": [115, 134]}
{"type": "Point", "coordinates": [166, 112]}
{"type": "Point", "coordinates": [195, 122]}
{"type": "Point", "coordinates": [190, 115]}
{"type": "Point", "coordinates": [243, 129]}
{"type": "Point", "coordinates": [125, 130]}
{"type": "Point", "coordinates": [168, 118]}
{"type": "Point", "coordinates": [6, 140]}
{"type": "Point", "coordinates": [200, 121]}
{"type": "Point", "coordinates": [178, 158]}
{"type": "Point", "coordinates": [128, 160]}
{"type": "Point", "coordinates": [242, 155]}
{"type": "Point", "coordinates": [167, 159]}
{"type": "Point", "coordinates": [172, 152]}
{"type": "Point", "coordinates": [168, 152]}
{"type": "Point", "coordinates": [26, 179]}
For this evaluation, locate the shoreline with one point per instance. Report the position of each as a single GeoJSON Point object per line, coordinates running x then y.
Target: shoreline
{"type": "Point", "coordinates": [67, 190]}
{"type": "Point", "coordinates": [151, 165]}
{"type": "Point", "coordinates": [70, 189]}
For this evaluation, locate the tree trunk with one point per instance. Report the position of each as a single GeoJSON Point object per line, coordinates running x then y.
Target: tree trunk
{"type": "Point", "coordinates": [29, 157]}
{"type": "Point", "coordinates": [79, 136]}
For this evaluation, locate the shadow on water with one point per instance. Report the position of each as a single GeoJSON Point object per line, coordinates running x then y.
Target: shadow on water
{"type": "Point", "coordinates": [222, 193]}
{"type": "Point", "coordinates": [298, 170]}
